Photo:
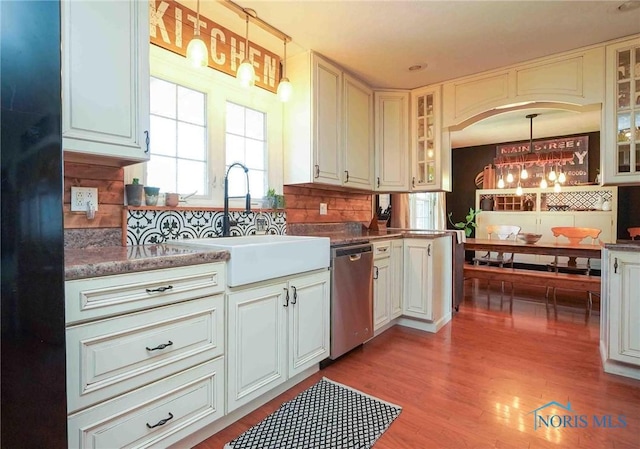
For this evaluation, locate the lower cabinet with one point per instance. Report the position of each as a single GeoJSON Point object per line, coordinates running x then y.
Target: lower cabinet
{"type": "Point", "coordinates": [621, 308]}
{"type": "Point", "coordinates": [427, 278]}
{"type": "Point", "coordinates": [274, 332]}
{"type": "Point", "coordinates": [387, 281]}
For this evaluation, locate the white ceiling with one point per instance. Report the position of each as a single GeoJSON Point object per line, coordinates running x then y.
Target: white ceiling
{"type": "Point", "coordinates": [379, 40]}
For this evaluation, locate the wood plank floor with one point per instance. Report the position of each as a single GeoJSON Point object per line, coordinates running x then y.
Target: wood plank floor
{"type": "Point", "coordinates": [473, 384]}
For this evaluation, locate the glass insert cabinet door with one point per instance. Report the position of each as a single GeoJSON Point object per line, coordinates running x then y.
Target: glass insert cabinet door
{"type": "Point", "coordinates": [628, 110]}
{"type": "Point", "coordinates": [425, 151]}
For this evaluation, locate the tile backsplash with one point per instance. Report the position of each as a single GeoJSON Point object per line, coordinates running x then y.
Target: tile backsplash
{"type": "Point", "coordinates": [144, 226]}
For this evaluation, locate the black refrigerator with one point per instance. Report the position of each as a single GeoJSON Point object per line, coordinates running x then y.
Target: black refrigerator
{"type": "Point", "coordinates": [33, 402]}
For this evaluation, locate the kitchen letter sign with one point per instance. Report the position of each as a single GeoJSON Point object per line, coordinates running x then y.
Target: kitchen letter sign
{"type": "Point", "coordinates": [172, 28]}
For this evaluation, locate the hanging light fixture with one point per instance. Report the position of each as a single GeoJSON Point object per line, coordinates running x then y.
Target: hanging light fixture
{"type": "Point", "coordinates": [509, 176]}
{"type": "Point", "coordinates": [562, 177]}
{"type": "Point", "coordinates": [284, 86]}
{"type": "Point", "coordinates": [556, 187]}
{"type": "Point", "coordinates": [519, 189]}
{"type": "Point", "coordinates": [543, 181]}
{"type": "Point", "coordinates": [524, 174]}
{"type": "Point", "coordinates": [501, 180]}
{"type": "Point", "coordinates": [197, 49]}
{"type": "Point", "coordinates": [246, 74]}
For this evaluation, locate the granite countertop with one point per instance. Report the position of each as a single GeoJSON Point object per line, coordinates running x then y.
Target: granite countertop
{"type": "Point", "coordinates": [624, 245]}
{"type": "Point", "coordinates": [367, 236]}
{"type": "Point", "coordinates": [92, 262]}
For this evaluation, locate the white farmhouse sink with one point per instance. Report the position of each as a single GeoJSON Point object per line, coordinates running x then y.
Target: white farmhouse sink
{"type": "Point", "coordinates": [257, 258]}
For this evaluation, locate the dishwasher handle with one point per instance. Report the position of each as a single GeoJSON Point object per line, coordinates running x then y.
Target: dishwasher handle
{"type": "Point", "coordinates": [354, 257]}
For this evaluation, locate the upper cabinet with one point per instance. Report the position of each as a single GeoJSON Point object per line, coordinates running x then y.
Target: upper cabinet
{"type": "Point", "coordinates": [391, 141]}
{"type": "Point", "coordinates": [328, 126]}
{"type": "Point", "coordinates": [431, 150]}
{"type": "Point", "coordinates": [620, 147]}
{"type": "Point", "coordinates": [575, 78]}
{"type": "Point", "coordinates": [105, 81]}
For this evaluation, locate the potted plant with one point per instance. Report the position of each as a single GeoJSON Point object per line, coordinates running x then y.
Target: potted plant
{"type": "Point", "coordinates": [151, 195]}
{"type": "Point", "coordinates": [134, 192]}
{"type": "Point", "coordinates": [271, 200]}
{"type": "Point", "coordinates": [469, 224]}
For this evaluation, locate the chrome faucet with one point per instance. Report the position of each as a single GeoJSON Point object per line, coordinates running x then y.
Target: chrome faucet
{"type": "Point", "coordinates": [226, 231]}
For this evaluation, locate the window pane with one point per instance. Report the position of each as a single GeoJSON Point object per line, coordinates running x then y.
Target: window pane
{"type": "Point", "coordinates": [191, 141]}
{"type": "Point", "coordinates": [163, 98]}
{"type": "Point", "coordinates": [235, 119]}
{"type": "Point", "coordinates": [255, 154]}
{"type": "Point", "coordinates": [237, 182]}
{"type": "Point", "coordinates": [235, 149]}
{"type": "Point", "coordinates": [255, 124]}
{"type": "Point", "coordinates": [161, 172]}
{"type": "Point", "coordinates": [191, 177]}
{"type": "Point", "coordinates": [191, 106]}
{"type": "Point", "coordinates": [256, 182]}
{"type": "Point", "coordinates": [163, 136]}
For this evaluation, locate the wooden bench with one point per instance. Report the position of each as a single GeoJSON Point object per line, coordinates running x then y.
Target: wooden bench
{"type": "Point", "coordinates": [570, 281]}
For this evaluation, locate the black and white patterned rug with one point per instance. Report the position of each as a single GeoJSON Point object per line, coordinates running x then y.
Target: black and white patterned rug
{"type": "Point", "coordinates": [328, 415]}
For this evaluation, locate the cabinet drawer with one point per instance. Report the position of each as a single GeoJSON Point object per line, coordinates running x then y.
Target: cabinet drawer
{"type": "Point", "coordinates": [190, 399]}
{"type": "Point", "coordinates": [109, 357]}
{"type": "Point", "coordinates": [381, 249]}
{"type": "Point", "coordinates": [94, 298]}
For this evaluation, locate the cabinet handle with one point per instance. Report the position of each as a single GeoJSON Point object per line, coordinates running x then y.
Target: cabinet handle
{"type": "Point", "coordinates": [347, 173]}
{"type": "Point", "coordinates": [286, 297]}
{"type": "Point", "coordinates": [615, 265]}
{"type": "Point", "coordinates": [429, 250]}
{"type": "Point", "coordinates": [295, 295]}
{"type": "Point", "coordinates": [162, 422]}
{"type": "Point", "coordinates": [383, 249]}
{"type": "Point", "coordinates": [378, 181]}
{"type": "Point", "coordinates": [159, 289]}
{"type": "Point", "coordinates": [413, 181]}
{"type": "Point", "coordinates": [317, 171]}
{"type": "Point", "coordinates": [162, 346]}
{"type": "Point", "coordinates": [375, 273]}
{"type": "Point", "coordinates": [147, 140]}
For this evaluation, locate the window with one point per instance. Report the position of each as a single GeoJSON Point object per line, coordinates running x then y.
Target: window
{"type": "Point", "coordinates": [245, 142]}
{"type": "Point", "coordinates": [422, 207]}
{"type": "Point", "coordinates": [178, 161]}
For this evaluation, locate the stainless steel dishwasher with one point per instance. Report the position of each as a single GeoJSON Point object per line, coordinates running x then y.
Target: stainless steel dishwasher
{"type": "Point", "coordinates": [351, 297]}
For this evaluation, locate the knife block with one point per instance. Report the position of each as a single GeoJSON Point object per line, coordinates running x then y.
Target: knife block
{"type": "Point", "coordinates": [377, 225]}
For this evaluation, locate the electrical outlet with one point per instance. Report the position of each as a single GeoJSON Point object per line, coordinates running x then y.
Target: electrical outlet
{"type": "Point", "coordinates": [80, 196]}
{"type": "Point", "coordinates": [323, 208]}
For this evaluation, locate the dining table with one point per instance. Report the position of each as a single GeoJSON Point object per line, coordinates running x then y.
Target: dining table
{"type": "Point", "coordinates": [572, 251]}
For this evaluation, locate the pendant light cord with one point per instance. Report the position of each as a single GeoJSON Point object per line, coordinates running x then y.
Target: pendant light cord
{"type": "Point", "coordinates": [246, 38]}
{"type": "Point", "coordinates": [197, 30]}
{"type": "Point", "coordinates": [284, 61]}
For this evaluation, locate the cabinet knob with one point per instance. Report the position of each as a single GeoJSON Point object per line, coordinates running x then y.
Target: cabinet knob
{"type": "Point", "coordinates": [429, 250]}
{"type": "Point", "coordinates": [413, 181]}
{"type": "Point", "coordinates": [147, 140]}
{"type": "Point", "coordinates": [162, 346]}
{"type": "Point", "coordinates": [317, 171]}
{"type": "Point", "coordinates": [615, 265]}
{"type": "Point", "coordinates": [162, 422]}
{"type": "Point", "coordinates": [295, 295]}
{"type": "Point", "coordinates": [378, 181]}
{"type": "Point", "coordinates": [375, 272]}
{"type": "Point", "coordinates": [347, 174]}
{"type": "Point", "coordinates": [286, 297]}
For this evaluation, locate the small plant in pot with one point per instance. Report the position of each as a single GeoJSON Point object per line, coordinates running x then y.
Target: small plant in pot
{"type": "Point", "coordinates": [469, 224]}
{"type": "Point", "coordinates": [134, 192]}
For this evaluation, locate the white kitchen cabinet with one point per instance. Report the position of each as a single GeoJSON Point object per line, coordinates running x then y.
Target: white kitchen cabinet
{"type": "Point", "coordinates": [427, 279]}
{"type": "Point", "coordinates": [431, 149]}
{"type": "Point", "coordinates": [328, 125]}
{"type": "Point", "coordinates": [275, 331]}
{"type": "Point", "coordinates": [620, 145]}
{"type": "Point", "coordinates": [105, 81]}
{"type": "Point", "coordinates": [391, 141]}
{"type": "Point", "coordinates": [358, 133]}
{"type": "Point", "coordinates": [397, 270]}
{"type": "Point", "coordinates": [145, 348]}
{"type": "Point", "coordinates": [309, 337]}
{"type": "Point", "coordinates": [620, 312]}
{"type": "Point", "coordinates": [256, 333]}
{"type": "Point", "coordinates": [381, 291]}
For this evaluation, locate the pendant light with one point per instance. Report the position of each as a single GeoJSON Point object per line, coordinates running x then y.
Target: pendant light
{"type": "Point", "coordinates": [524, 174]}
{"type": "Point", "coordinates": [501, 180]}
{"type": "Point", "coordinates": [246, 74]}
{"type": "Point", "coordinates": [197, 49]}
{"type": "Point", "coordinates": [543, 181]}
{"type": "Point", "coordinates": [509, 176]}
{"type": "Point", "coordinates": [519, 189]}
{"type": "Point", "coordinates": [284, 86]}
{"type": "Point", "coordinates": [556, 187]}
{"type": "Point", "coordinates": [562, 177]}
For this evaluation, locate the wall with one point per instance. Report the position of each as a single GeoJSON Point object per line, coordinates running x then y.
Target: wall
{"type": "Point", "coordinates": [302, 204]}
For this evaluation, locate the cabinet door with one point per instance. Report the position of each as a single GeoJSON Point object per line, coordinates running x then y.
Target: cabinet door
{"type": "Point", "coordinates": [327, 103]}
{"type": "Point", "coordinates": [397, 263]}
{"type": "Point", "coordinates": [105, 79]}
{"type": "Point", "coordinates": [309, 340]}
{"type": "Point", "coordinates": [620, 147]}
{"type": "Point", "coordinates": [430, 164]}
{"type": "Point", "coordinates": [391, 141]}
{"type": "Point", "coordinates": [624, 307]}
{"type": "Point", "coordinates": [417, 297]}
{"type": "Point", "coordinates": [358, 134]}
{"type": "Point", "coordinates": [257, 330]}
{"type": "Point", "coordinates": [381, 291]}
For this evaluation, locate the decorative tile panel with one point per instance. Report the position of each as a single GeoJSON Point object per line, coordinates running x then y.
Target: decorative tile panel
{"type": "Point", "coordinates": [161, 226]}
{"type": "Point", "coordinates": [582, 200]}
